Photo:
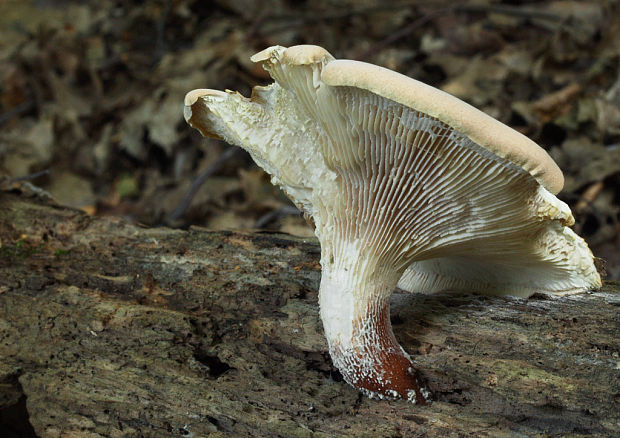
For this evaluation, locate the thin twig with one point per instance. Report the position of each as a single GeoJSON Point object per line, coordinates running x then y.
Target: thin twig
{"type": "Point", "coordinates": [258, 21]}
{"type": "Point", "coordinates": [515, 11]}
{"type": "Point", "coordinates": [317, 16]}
{"type": "Point", "coordinates": [29, 177]}
{"type": "Point", "coordinates": [184, 204]}
{"type": "Point", "coordinates": [403, 32]}
{"type": "Point", "coordinates": [589, 196]}
{"type": "Point", "coordinates": [289, 21]}
{"type": "Point", "coordinates": [160, 31]}
{"type": "Point", "coordinates": [276, 214]}
{"type": "Point", "coordinates": [16, 111]}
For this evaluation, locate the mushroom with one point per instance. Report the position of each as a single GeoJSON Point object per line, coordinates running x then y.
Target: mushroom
{"type": "Point", "coordinates": [407, 186]}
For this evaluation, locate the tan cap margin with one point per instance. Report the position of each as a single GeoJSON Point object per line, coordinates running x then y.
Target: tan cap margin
{"type": "Point", "coordinates": [306, 54]}
{"type": "Point", "coordinates": [192, 96]}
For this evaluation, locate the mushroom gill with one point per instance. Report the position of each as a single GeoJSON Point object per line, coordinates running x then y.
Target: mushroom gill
{"type": "Point", "coordinates": [407, 186]}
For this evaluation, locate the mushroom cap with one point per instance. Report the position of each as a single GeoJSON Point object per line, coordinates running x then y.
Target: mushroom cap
{"type": "Point", "coordinates": [481, 128]}
{"type": "Point", "coordinates": [410, 175]}
{"type": "Point", "coordinates": [475, 124]}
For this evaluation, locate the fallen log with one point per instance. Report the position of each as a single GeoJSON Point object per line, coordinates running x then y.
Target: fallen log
{"type": "Point", "coordinates": [109, 329]}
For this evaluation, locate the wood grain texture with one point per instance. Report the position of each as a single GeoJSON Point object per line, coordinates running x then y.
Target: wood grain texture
{"type": "Point", "coordinates": [113, 330]}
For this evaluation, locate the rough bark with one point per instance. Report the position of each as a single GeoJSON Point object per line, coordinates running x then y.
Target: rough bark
{"type": "Point", "coordinates": [109, 329]}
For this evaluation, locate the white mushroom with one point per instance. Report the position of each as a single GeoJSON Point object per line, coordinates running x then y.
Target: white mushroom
{"type": "Point", "coordinates": [407, 186]}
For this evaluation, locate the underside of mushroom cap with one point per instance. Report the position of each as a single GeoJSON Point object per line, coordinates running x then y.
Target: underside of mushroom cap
{"type": "Point", "coordinates": [400, 193]}
{"type": "Point", "coordinates": [464, 118]}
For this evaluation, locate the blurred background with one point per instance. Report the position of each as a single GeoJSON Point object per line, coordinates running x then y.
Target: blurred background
{"type": "Point", "coordinates": [91, 96]}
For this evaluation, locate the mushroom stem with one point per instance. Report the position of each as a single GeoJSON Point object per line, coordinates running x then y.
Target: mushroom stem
{"type": "Point", "coordinates": [355, 311]}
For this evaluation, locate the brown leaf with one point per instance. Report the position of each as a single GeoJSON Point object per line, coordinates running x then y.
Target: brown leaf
{"type": "Point", "coordinates": [556, 104]}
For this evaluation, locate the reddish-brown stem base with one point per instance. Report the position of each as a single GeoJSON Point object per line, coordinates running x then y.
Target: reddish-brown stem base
{"type": "Point", "coordinates": [377, 365]}
{"type": "Point", "coordinates": [398, 380]}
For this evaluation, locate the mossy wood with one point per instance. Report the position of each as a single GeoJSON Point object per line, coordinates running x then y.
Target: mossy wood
{"type": "Point", "coordinates": [109, 329]}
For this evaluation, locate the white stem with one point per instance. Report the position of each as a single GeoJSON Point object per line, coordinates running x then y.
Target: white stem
{"type": "Point", "coordinates": [354, 300]}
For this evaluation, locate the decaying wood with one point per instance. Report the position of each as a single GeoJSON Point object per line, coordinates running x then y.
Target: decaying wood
{"type": "Point", "coordinates": [113, 330]}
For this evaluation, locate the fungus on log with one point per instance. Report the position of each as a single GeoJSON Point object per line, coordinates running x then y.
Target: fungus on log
{"type": "Point", "coordinates": [407, 186]}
